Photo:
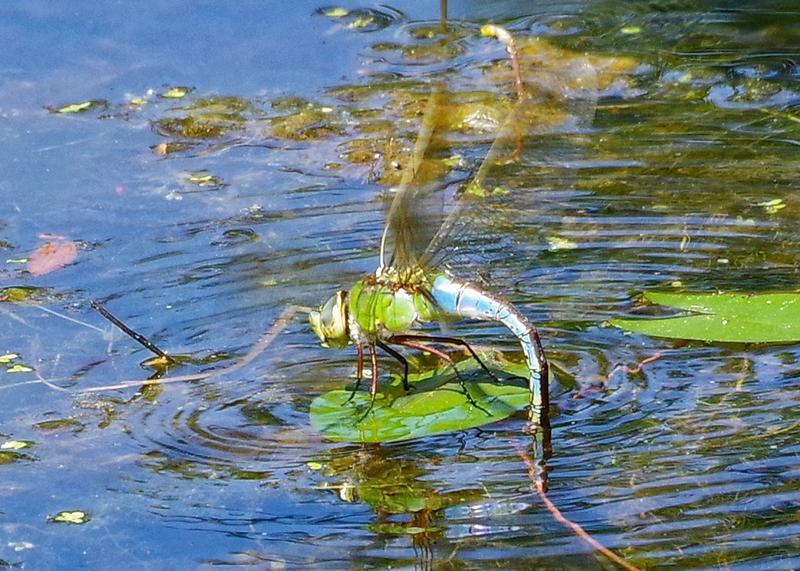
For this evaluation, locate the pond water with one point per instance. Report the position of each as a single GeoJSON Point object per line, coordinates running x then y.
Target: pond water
{"type": "Point", "coordinates": [670, 162]}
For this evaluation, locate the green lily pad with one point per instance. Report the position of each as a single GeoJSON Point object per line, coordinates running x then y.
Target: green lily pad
{"type": "Point", "coordinates": [435, 404]}
{"type": "Point", "coordinates": [723, 317]}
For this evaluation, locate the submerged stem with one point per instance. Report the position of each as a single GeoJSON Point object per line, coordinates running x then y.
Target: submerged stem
{"type": "Point", "coordinates": [541, 491]}
{"type": "Point", "coordinates": [505, 38]}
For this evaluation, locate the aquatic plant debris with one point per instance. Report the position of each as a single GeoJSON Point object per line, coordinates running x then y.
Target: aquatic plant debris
{"type": "Point", "coordinates": [723, 317]}
{"type": "Point", "coordinates": [15, 444]}
{"type": "Point", "coordinates": [52, 256]}
{"type": "Point", "coordinates": [19, 369]}
{"type": "Point", "coordinates": [75, 517]}
{"type": "Point", "coordinates": [79, 107]}
{"type": "Point", "coordinates": [177, 92]}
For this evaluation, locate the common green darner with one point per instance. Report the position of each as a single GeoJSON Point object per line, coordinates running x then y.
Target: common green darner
{"type": "Point", "coordinates": [410, 287]}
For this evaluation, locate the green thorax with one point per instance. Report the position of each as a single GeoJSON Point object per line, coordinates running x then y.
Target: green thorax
{"type": "Point", "coordinates": [391, 301]}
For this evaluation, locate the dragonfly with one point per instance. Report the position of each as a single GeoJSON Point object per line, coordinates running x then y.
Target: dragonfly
{"type": "Point", "coordinates": [411, 287]}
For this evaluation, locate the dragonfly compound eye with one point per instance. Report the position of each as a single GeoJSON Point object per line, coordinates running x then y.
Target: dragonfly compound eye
{"type": "Point", "coordinates": [330, 322]}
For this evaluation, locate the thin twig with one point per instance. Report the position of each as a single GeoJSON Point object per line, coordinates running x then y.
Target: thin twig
{"type": "Point", "coordinates": [562, 519]}
{"type": "Point", "coordinates": [266, 340]}
{"type": "Point", "coordinates": [138, 337]}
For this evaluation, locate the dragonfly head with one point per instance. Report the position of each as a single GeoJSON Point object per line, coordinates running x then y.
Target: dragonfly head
{"type": "Point", "coordinates": [330, 322]}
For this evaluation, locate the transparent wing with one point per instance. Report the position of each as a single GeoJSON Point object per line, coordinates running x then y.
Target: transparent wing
{"type": "Point", "coordinates": [560, 102]}
{"type": "Point", "coordinates": [409, 225]}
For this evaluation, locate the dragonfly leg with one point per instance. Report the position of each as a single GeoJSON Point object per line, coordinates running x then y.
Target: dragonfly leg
{"type": "Point", "coordinates": [444, 357]}
{"type": "Point", "coordinates": [400, 358]}
{"type": "Point", "coordinates": [450, 341]}
{"type": "Point", "coordinates": [359, 370]}
{"type": "Point", "coordinates": [373, 389]}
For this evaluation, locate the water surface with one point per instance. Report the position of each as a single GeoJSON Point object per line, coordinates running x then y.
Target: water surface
{"type": "Point", "coordinates": [663, 175]}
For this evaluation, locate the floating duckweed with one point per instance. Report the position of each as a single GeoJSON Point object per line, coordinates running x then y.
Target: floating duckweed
{"type": "Point", "coordinates": [334, 12]}
{"type": "Point", "coordinates": [361, 19]}
{"type": "Point", "coordinates": [207, 118]}
{"type": "Point", "coordinates": [631, 30]}
{"type": "Point", "coordinates": [309, 122]}
{"type": "Point", "coordinates": [23, 294]}
{"type": "Point", "coordinates": [441, 49]}
{"type": "Point", "coordinates": [76, 517]}
{"type": "Point", "coordinates": [290, 103]}
{"type": "Point", "coordinates": [80, 107]}
{"type": "Point", "coordinates": [236, 236]}
{"type": "Point", "coordinates": [191, 128]}
{"type": "Point", "coordinates": [19, 369]}
{"type": "Point", "coordinates": [137, 101]}
{"type": "Point", "coordinates": [15, 444]}
{"type": "Point", "coordinates": [164, 149]}
{"type": "Point", "coordinates": [361, 22]}
{"type": "Point", "coordinates": [314, 465]}
{"type": "Point", "coordinates": [11, 456]}
{"type": "Point", "coordinates": [59, 424]}
{"type": "Point", "coordinates": [205, 179]}
{"type": "Point", "coordinates": [772, 206]}
{"type": "Point", "coordinates": [558, 243]}
{"type": "Point", "coordinates": [177, 92]}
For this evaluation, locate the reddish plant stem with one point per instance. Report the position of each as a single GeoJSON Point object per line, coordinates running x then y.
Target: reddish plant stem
{"type": "Point", "coordinates": [538, 485]}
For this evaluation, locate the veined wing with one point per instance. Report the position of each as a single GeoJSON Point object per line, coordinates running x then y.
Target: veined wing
{"type": "Point", "coordinates": [557, 103]}
{"type": "Point", "coordinates": [408, 229]}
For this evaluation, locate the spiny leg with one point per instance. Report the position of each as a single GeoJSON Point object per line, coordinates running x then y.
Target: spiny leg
{"type": "Point", "coordinates": [359, 370]}
{"type": "Point", "coordinates": [373, 389]}
{"type": "Point", "coordinates": [400, 358]}
{"type": "Point", "coordinates": [444, 357]}
{"type": "Point", "coordinates": [449, 341]}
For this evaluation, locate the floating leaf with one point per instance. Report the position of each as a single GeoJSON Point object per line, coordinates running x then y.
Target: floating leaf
{"type": "Point", "coordinates": [76, 517]}
{"type": "Point", "coordinates": [723, 317]}
{"type": "Point", "coordinates": [60, 424]}
{"type": "Point", "coordinates": [772, 206]}
{"type": "Point", "coordinates": [631, 30]}
{"type": "Point", "coordinates": [23, 294]}
{"type": "Point", "coordinates": [558, 243]}
{"type": "Point", "coordinates": [335, 12]}
{"type": "Point", "coordinates": [11, 456]}
{"type": "Point", "coordinates": [8, 357]}
{"type": "Point", "coordinates": [361, 22]}
{"type": "Point", "coordinates": [15, 444]}
{"type": "Point", "coordinates": [205, 180]}
{"type": "Point", "coordinates": [52, 256]}
{"type": "Point", "coordinates": [19, 369]}
{"type": "Point", "coordinates": [80, 107]}
{"type": "Point", "coordinates": [436, 403]}
{"type": "Point", "coordinates": [177, 92]}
